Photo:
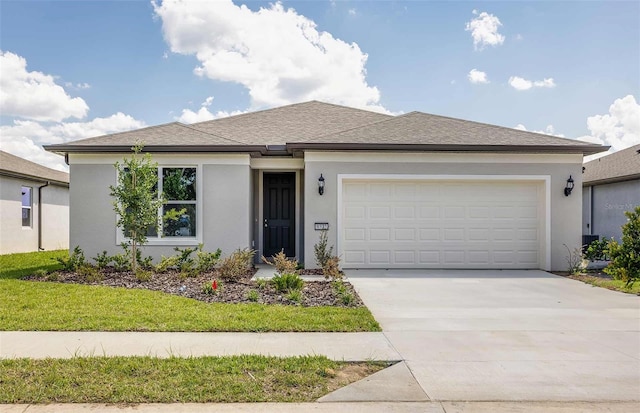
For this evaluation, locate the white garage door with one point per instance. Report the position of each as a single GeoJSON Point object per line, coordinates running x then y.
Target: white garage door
{"type": "Point", "coordinates": [436, 224]}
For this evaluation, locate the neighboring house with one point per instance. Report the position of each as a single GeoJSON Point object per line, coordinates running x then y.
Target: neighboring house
{"type": "Point", "coordinates": [611, 186]}
{"type": "Point", "coordinates": [34, 206]}
{"type": "Point", "coordinates": [410, 191]}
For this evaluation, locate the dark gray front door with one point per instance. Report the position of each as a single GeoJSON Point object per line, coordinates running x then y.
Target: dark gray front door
{"type": "Point", "coordinates": [279, 213]}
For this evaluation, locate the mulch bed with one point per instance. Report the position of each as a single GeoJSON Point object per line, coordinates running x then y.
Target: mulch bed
{"type": "Point", "coordinates": [314, 293]}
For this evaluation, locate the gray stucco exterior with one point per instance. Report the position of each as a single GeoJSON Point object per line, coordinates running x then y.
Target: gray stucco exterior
{"type": "Point", "coordinates": [604, 206]}
{"type": "Point", "coordinates": [224, 206]}
{"type": "Point", "coordinates": [55, 216]}
{"type": "Point", "coordinates": [229, 198]}
{"type": "Point", "coordinates": [564, 221]}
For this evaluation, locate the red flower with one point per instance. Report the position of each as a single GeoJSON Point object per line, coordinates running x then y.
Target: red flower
{"type": "Point", "coordinates": [214, 285]}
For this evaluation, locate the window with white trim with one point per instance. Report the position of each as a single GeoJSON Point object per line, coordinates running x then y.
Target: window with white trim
{"type": "Point", "coordinates": [27, 204]}
{"type": "Point", "coordinates": [178, 183]}
{"type": "Point", "coordinates": [179, 187]}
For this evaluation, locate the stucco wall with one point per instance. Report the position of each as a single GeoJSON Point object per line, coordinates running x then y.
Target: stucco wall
{"type": "Point", "coordinates": [55, 217]}
{"type": "Point", "coordinates": [565, 217]}
{"type": "Point", "coordinates": [224, 206]}
{"type": "Point", "coordinates": [610, 201]}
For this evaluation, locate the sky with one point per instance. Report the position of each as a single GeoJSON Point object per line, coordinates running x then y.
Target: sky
{"type": "Point", "coordinates": [76, 69]}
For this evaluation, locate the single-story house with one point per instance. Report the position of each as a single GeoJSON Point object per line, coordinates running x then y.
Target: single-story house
{"type": "Point", "coordinates": [611, 186]}
{"type": "Point", "coordinates": [34, 206]}
{"type": "Point", "coordinates": [409, 191]}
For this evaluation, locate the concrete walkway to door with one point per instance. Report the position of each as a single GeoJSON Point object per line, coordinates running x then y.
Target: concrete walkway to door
{"type": "Point", "coordinates": [508, 335]}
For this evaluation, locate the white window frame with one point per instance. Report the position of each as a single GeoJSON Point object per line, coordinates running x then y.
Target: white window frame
{"type": "Point", "coordinates": [30, 207]}
{"type": "Point", "coordinates": [174, 241]}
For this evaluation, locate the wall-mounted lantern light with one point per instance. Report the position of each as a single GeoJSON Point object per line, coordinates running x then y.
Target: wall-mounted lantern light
{"type": "Point", "coordinates": [321, 185]}
{"type": "Point", "coordinates": [569, 187]}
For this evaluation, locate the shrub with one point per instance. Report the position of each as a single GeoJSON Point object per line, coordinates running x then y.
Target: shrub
{"type": "Point", "coordinates": [331, 269]}
{"type": "Point", "coordinates": [294, 295]}
{"type": "Point", "coordinates": [74, 261]}
{"type": "Point", "coordinates": [282, 263]}
{"type": "Point", "coordinates": [41, 273]}
{"type": "Point", "coordinates": [54, 276]}
{"type": "Point", "coordinates": [102, 260]}
{"type": "Point", "coordinates": [625, 257]}
{"type": "Point", "coordinates": [261, 283]}
{"type": "Point", "coordinates": [121, 262]}
{"type": "Point", "coordinates": [253, 295]}
{"type": "Point", "coordinates": [188, 266]}
{"type": "Point", "coordinates": [322, 253]}
{"type": "Point", "coordinates": [143, 275]}
{"type": "Point", "coordinates": [206, 261]}
{"type": "Point", "coordinates": [343, 293]}
{"type": "Point", "coordinates": [574, 260]}
{"type": "Point", "coordinates": [287, 282]}
{"type": "Point", "coordinates": [236, 265]}
{"type": "Point", "coordinates": [167, 263]}
{"type": "Point", "coordinates": [597, 250]}
{"type": "Point", "coordinates": [90, 273]}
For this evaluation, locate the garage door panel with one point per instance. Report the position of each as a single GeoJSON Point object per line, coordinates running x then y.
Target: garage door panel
{"type": "Point", "coordinates": [465, 224]}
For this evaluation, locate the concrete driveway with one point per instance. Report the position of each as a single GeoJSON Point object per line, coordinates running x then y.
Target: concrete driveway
{"type": "Point", "coordinates": [508, 335]}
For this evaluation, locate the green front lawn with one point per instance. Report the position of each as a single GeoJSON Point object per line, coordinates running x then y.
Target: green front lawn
{"type": "Point", "coordinates": [49, 306]}
{"type": "Point", "coordinates": [19, 265]}
{"type": "Point", "coordinates": [173, 380]}
{"type": "Point", "coordinates": [38, 306]}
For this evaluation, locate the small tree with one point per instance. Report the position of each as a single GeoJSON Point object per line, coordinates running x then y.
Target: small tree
{"type": "Point", "coordinates": [136, 198]}
{"type": "Point", "coordinates": [625, 257]}
{"type": "Point", "coordinates": [321, 250]}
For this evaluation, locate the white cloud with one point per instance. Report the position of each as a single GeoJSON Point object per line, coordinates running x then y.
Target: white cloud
{"type": "Point", "coordinates": [549, 130]}
{"type": "Point", "coordinates": [38, 105]}
{"type": "Point", "coordinates": [620, 128]}
{"type": "Point", "coordinates": [25, 137]}
{"type": "Point", "coordinates": [484, 30]}
{"type": "Point", "coordinates": [519, 83]}
{"type": "Point", "coordinates": [34, 95]}
{"type": "Point", "coordinates": [352, 12]}
{"type": "Point", "coordinates": [203, 114]}
{"type": "Point", "coordinates": [476, 76]}
{"type": "Point", "coordinates": [276, 53]}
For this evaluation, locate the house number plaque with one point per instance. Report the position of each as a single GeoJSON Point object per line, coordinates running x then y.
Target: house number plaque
{"type": "Point", "coordinates": [321, 226]}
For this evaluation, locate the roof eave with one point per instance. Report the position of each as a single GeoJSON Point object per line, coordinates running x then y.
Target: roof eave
{"type": "Point", "coordinates": [18, 175]}
{"type": "Point", "coordinates": [581, 149]}
{"type": "Point", "coordinates": [63, 149]}
{"type": "Point", "coordinates": [612, 180]}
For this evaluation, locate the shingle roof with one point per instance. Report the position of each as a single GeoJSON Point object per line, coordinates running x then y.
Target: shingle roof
{"type": "Point", "coordinates": [318, 125]}
{"type": "Point", "coordinates": [293, 123]}
{"type": "Point", "coordinates": [15, 166]}
{"type": "Point", "coordinates": [168, 134]}
{"type": "Point", "coordinates": [619, 166]}
{"type": "Point", "coordinates": [417, 128]}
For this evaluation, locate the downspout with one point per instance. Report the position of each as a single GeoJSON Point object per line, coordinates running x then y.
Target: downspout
{"type": "Point", "coordinates": [40, 215]}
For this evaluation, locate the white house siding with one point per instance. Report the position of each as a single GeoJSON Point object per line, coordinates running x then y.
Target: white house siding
{"type": "Point", "coordinates": [564, 222]}
{"type": "Point", "coordinates": [55, 217]}
{"type": "Point", "coordinates": [608, 203]}
{"type": "Point", "coordinates": [223, 204]}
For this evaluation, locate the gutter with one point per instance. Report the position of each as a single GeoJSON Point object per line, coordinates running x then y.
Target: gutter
{"type": "Point", "coordinates": [611, 180]}
{"type": "Point", "coordinates": [585, 150]}
{"type": "Point", "coordinates": [40, 215]}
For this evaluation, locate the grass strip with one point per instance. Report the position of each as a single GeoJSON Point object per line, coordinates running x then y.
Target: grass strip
{"type": "Point", "coordinates": [171, 380]}
{"type": "Point", "coordinates": [616, 285]}
{"type": "Point", "coordinates": [46, 306]}
{"type": "Point", "coordinates": [21, 264]}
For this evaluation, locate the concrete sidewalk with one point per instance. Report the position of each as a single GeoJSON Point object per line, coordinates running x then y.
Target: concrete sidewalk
{"type": "Point", "coordinates": [56, 344]}
{"type": "Point", "coordinates": [366, 407]}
